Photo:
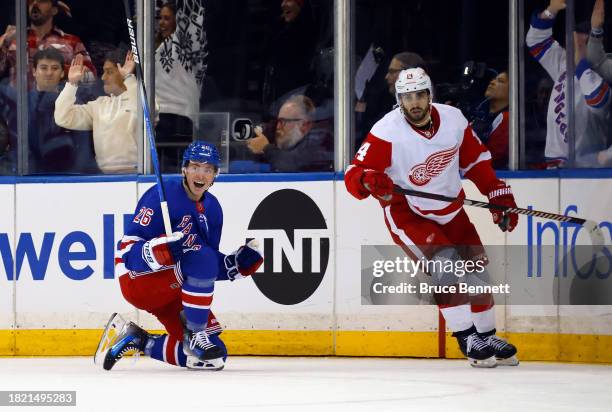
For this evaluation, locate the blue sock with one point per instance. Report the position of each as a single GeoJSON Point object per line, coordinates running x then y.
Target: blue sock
{"type": "Point", "coordinates": [197, 297]}
{"type": "Point", "coordinates": [166, 349]}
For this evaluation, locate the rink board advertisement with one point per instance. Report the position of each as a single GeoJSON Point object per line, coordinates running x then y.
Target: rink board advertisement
{"type": "Point", "coordinates": [305, 299]}
{"type": "Point", "coordinates": [67, 276]}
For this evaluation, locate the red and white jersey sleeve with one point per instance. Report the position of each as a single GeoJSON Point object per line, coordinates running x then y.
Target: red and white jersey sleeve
{"type": "Point", "coordinates": [374, 154]}
{"type": "Point", "coordinates": [415, 161]}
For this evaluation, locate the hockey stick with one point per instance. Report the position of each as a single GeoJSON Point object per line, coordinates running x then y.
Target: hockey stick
{"type": "Point", "coordinates": [592, 227]}
{"type": "Point", "coordinates": [147, 117]}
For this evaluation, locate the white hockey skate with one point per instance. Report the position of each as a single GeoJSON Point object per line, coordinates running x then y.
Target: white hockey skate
{"type": "Point", "coordinates": [115, 326]}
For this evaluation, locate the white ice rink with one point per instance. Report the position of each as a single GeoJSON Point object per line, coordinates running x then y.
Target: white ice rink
{"type": "Point", "coordinates": [315, 384]}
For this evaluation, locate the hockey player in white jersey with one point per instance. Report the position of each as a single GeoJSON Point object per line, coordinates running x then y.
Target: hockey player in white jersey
{"type": "Point", "coordinates": [591, 96]}
{"type": "Point", "coordinates": [426, 146]}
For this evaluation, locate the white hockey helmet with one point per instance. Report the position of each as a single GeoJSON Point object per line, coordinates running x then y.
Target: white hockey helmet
{"type": "Point", "coordinates": [412, 80]}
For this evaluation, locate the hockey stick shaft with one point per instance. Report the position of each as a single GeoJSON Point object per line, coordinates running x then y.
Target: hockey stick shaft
{"type": "Point", "coordinates": [485, 205]}
{"type": "Point", "coordinates": [142, 92]}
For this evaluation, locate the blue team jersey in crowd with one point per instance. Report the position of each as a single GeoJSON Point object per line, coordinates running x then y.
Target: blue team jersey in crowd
{"type": "Point", "coordinates": [201, 223]}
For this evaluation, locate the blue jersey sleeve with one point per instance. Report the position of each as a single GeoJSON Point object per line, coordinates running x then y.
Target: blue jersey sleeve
{"type": "Point", "coordinates": [146, 224]}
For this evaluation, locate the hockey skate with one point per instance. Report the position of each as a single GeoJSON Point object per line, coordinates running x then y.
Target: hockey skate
{"type": "Point", "coordinates": [131, 339]}
{"type": "Point", "coordinates": [201, 352]}
{"type": "Point", "coordinates": [505, 352]}
{"type": "Point", "coordinates": [479, 354]}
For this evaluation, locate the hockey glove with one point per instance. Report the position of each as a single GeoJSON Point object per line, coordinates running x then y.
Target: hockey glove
{"type": "Point", "coordinates": [378, 183]}
{"type": "Point", "coordinates": [163, 250]}
{"type": "Point", "coordinates": [502, 195]}
{"type": "Point", "coordinates": [244, 262]}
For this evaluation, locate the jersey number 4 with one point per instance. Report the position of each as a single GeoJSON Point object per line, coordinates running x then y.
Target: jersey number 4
{"type": "Point", "coordinates": [361, 153]}
{"type": "Point", "coordinates": [143, 216]}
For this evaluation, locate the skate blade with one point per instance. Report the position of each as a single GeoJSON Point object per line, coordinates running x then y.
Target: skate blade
{"type": "Point", "coordinates": [209, 365]}
{"type": "Point", "coordinates": [511, 361]}
{"type": "Point", "coordinates": [483, 363]}
{"type": "Point", "coordinates": [114, 327]}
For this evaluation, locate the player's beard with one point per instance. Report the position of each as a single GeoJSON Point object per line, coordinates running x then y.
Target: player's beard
{"type": "Point", "coordinates": [419, 118]}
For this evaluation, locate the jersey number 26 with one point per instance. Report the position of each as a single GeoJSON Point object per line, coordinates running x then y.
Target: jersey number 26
{"type": "Point", "coordinates": [143, 216]}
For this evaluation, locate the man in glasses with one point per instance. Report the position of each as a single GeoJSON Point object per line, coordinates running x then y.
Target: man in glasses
{"type": "Point", "coordinates": [297, 145]}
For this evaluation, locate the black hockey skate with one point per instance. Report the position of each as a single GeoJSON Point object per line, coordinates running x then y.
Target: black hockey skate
{"type": "Point", "coordinates": [131, 338]}
{"type": "Point", "coordinates": [201, 352]}
{"type": "Point", "coordinates": [479, 354]}
{"type": "Point", "coordinates": [505, 352]}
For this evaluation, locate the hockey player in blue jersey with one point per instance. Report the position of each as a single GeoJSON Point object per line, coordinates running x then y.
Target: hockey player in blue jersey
{"type": "Point", "coordinates": [174, 277]}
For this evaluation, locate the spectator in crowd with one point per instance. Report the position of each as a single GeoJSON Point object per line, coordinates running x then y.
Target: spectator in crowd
{"type": "Point", "coordinates": [41, 34]}
{"type": "Point", "coordinates": [298, 146]}
{"type": "Point", "coordinates": [112, 118]}
{"type": "Point", "coordinates": [289, 52]}
{"type": "Point", "coordinates": [377, 102]}
{"type": "Point", "coordinates": [180, 65]}
{"type": "Point", "coordinates": [602, 65]}
{"type": "Point", "coordinates": [592, 93]}
{"type": "Point", "coordinates": [51, 148]}
{"type": "Point", "coordinates": [491, 124]}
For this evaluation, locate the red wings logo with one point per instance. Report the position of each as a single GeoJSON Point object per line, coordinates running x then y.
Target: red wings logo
{"type": "Point", "coordinates": [435, 164]}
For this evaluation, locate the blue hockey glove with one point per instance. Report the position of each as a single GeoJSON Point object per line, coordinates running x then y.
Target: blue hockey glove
{"type": "Point", "coordinates": [244, 262]}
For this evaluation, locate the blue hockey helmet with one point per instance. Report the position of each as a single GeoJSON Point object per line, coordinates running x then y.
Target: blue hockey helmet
{"type": "Point", "coordinates": [201, 152]}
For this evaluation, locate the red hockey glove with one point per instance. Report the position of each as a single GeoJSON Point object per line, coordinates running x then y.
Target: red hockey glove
{"type": "Point", "coordinates": [244, 262]}
{"type": "Point", "coordinates": [163, 251]}
{"type": "Point", "coordinates": [377, 183]}
{"type": "Point", "coordinates": [502, 195]}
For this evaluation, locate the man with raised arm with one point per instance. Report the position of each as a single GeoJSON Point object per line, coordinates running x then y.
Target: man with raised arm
{"type": "Point", "coordinates": [591, 93]}
{"type": "Point", "coordinates": [113, 118]}
{"type": "Point", "coordinates": [425, 146]}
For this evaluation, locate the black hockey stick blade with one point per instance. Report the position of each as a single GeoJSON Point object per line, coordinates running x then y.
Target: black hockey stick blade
{"type": "Point", "coordinates": [591, 227]}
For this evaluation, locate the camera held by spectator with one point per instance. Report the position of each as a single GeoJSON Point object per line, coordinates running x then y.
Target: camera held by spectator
{"type": "Point", "coordinates": [244, 129]}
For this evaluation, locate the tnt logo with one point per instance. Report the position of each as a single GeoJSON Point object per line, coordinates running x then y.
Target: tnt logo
{"type": "Point", "coordinates": [296, 246]}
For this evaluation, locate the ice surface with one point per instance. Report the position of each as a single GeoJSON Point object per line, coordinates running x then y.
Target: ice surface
{"type": "Point", "coordinates": [315, 384]}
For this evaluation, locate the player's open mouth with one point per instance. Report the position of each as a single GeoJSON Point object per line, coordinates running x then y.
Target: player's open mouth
{"type": "Point", "coordinates": [198, 185]}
